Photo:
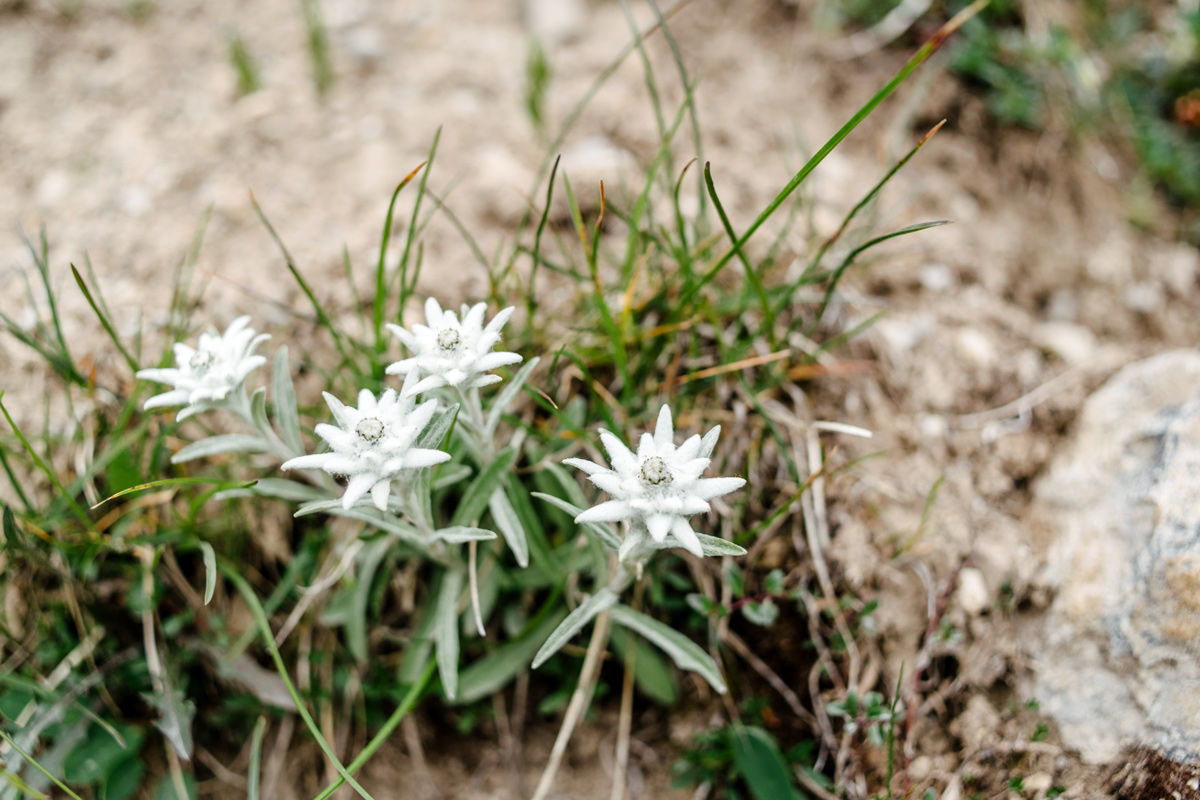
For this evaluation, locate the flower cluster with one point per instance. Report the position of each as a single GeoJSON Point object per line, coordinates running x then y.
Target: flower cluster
{"type": "Point", "coordinates": [448, 351]}
{"type": "Point", "coordinates": [372, 445]}
{"type": "Point", "coordinates": [205, 376]}
{"type": "Point", "coordinates": [657, 489]}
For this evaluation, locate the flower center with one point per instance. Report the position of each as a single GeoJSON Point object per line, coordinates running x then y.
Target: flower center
{"type": "Point", "coordinates": [201, 360]}
{"type": "Point", "coordinates": [369, 429]}
{"type": "Point", "coordinates": [448, 338]}
{"type": "Point", "coordinates": [655, 472]}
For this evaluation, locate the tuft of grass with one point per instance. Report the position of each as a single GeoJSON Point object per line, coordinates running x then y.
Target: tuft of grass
{"type": "Point", "coordinates": [244, 66]}
{"type": "Point", "coordinates": [317, 37]}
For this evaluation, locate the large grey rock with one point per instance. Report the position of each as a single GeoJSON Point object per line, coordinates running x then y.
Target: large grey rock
{"type": "Point", "coordinates": [1122, 507]}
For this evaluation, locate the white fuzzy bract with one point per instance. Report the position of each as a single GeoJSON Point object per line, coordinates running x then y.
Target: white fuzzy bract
{"type": "Point", "coordinates": [205, 376]}
{"type": "Point", "coordinates": [372, 445]}
{"type": "Point", "coordinates": [658, 488]}
{"type": "Point", "coordinates": [447, 351]}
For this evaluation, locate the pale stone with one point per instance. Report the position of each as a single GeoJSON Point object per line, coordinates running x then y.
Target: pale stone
{"type": "Point", "coordinates": [1122, 505]}
{"type": "Point", "coordinates": [973, 595]}
{"type": "Point", "coordinates": [1074, 344]}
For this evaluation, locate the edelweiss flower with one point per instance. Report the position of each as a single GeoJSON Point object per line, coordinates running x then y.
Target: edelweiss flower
{"type": "Point", "coordinates": [373, 444]}
{"type": "Point", "coordinates": [205, 376]}
{"type": "Point", "coordinates": [449, 352]}
{"type": "Point", "coordinates": [657, 489]}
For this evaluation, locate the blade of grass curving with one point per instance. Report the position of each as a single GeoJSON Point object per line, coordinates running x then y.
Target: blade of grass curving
{"type": "Point", "coordinates": [264, 627]}
{"type": "Point", "coordinates": [411, 698]}
{"type": "Point", "coordinates": [460, 227]}
{"type": "Point", "coordinates": [446, 631]}
{"type": "Point", "coordinates": [647, 70]}
{"type": "Point", "coordinates": [836, 276]}
{"type": "Point", "coordinates": [104, 321]}
{"type": "Point", "coordinates": [43, 466]}
{"type": "Point", "coordinates": [845, 336]}
{"type": "Point", "coordinates": [867, 198]}
{"type": "Point", "coordinates": [929, 48]}
{"type": "Point", "coordinates": [689, 102]}
{"type": "Point", "coordinates": [751, 274]}
{"type": "Point", "coordinates": [686, 654]}
{"type": "Point", "coordinates": [381, 267]}
{"type": "Point", "coordinates": [402, 271]}
{"type": "Point", "coordinates": [12, 479]}
{"type": "Point", "coordinates": [322, 317]}
{"type": "Point", "coordinates": [37, 766]}
{"type": "Point", "coordinates": [15, 782]}
{"type": "Point", "coordinates": [530, 299]}
{"type": "Point", "coordinates": [41, 259]}
{"type": "Point", "coordinates": [254, 776]}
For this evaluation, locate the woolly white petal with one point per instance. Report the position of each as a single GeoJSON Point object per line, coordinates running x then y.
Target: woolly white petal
{"type": "Point", "coordinates": [419, 457]}
{"type": "Point", "coordinates": [664, 431]}
{"type": "Point", "coordinates": [659, 526]}
{"type": "Point", "coordinates": [433, 312]}
{"type": "Point", "coordinates": [618, 453]}
{"type": "Point", "coordinates": [175, 397]}
{"type": "Point", "coordinates": [359, 485]}
{"type": "Point", "coordinates": [689, 449]}
{"type": "Point", "coordinates": [498, 359]}
{"type": "Point", "coordinates": [313, 461]}
{"type": "Point", "coordinates": [610, 511]}
{"type": "Point", "coordinates": [403, 367]}
{"type": "Point", "coordinates": [379, 494]}
{"type": "Point", "coordinates": [406, 338]}
{"type": "Point", "coordinates": [473, 319]}
{"type": "Point", "coordinates": [158, 375]}
{"type": "Point", "coordinates": [589, 467]}
{"type": "Point", "coordinates": [686, 536]}
{"type": "Point", "coordinates": [646, 447]}
{"type": "Point", "coordinates": [607, 481]}
{"type": "Point", "coordinates": [708, 488]}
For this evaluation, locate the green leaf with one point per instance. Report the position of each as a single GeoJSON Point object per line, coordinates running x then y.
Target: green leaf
{"type": "Point", "coordinates": [284, 393]}
{"type": "Point", "coordinates": [446, 631]}
{"type": "Point", "coordinates": [279, 488]}
{"type": "Point", "coordinates": [507, 395]}
{"type": "Point", "coordinates": [475, 498]}
{"type": "Point", "coordinates": [253, 778]}
{"type": "Point", "coordinates": [763, 614]}
{"type": "Point", "coordinates": [509, 524]}
{"type": "Point", "coordinates": [461, 534]}
{"type": "Point", "coordinates": [165, 788]}
{"type": "Point", "coordinates": [601, 601]}
{"type": "Point", "coordinates": [371, 515]}
{"type": "Point", "coordinates": [210, 571]}
{"type": "Point", "coordinates": [225, 443]}
{"type": "Point", "coordinates": [652, 674]}
{"type": "Point", "coordinates": [715, 546]}
{"type": "Point", "coordinates": [435, 434]}
{"type": "Point", "coordinates": [490, 674]}
{"type": "Point", "coordinates": [761, 764]}
{"type": "Point", "coordinates": [683, 651]}
{"type": "Point", "coordinates": [369, 559]}
{"type": "Point", "coordinates": [450, 474]}
{"type": "Point", "coordinates": [12, 534]}
{"type": "Point", "coordinates": [175, 718]}
{"type": "Point", "coordinates": [605, 534]}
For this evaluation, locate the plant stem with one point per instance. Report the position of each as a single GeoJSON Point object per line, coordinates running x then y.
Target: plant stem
{"type": "Point", "coordinates": [579, 702]}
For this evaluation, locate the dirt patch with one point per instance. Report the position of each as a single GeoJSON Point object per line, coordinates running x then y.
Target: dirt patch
{"type": "Point", "coordinates": [120, 129]}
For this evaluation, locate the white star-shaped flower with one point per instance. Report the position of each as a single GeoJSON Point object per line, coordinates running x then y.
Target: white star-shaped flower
{"type": "Point", "coordinates": [447, 351]}
{"type": "Point", "coordinates": [207, 374]}
{"type": "Point", "coordinates": [659, 487]}
{"type": "Point", "coordinates": [373, 444]}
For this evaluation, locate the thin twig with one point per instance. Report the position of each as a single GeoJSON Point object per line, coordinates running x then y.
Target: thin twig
{"type": "Point", "coordinates": [625, 721]}
{"type": "Point", "coordinates": [769, 675]}
{"type": "Point", "coordinates": [578, 704]}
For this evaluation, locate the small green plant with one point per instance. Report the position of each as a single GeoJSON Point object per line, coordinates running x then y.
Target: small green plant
{"type": "Point", "coordinates": [244, 66]}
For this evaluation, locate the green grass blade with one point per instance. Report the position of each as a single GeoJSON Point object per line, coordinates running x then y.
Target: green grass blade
{"type": "Point", "coordinates": [264, 627]}
{"type": "Point", "coordinates": [38, 766]}
{"type": "Point", "coordinates": [928, 49]}
{"type": "Point", "coordinates": [322, 317]}
{"type": "Point", "coordinates": [381, 267]}
{"type": "Point", "coordinates": [254, 777]}
{"type": "Point", "coordinates": [530, 294]}
{"type": "Point", "coordinates": [406, 286]}
{"type": "Point", "coordinates": [411, 698]}
{"type": "Point", "coordinates": [43, 466]}
{"type": "Point", "coordinates": [751, 274]}
{"type": "Point", "coordinates": [103, 317]}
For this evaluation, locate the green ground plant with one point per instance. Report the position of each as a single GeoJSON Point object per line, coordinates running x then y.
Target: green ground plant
{"type": "Point", "coordinates": [1123, 72]}
{"type": "Point", "coordinates": [461, 552]}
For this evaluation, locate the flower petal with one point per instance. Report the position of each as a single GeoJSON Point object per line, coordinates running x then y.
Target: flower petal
{"type": "Point", "coordinates": [686, 536]}
{"type": "Point", "coordinates": [359, 485]}
{"type": "Point", "coordinates": [659, 526]}
{"type": "Point", "coordinates": [709, 442]}
{"type": "Point", "coordinates": [591, 468]}
{"type": "Point", "coordinates": [379, 494]}
{"type": "Point", "coordinates": [664, 431]}
{"type": "Point", "coordinates": [608, 482]}
{"type": "Point", "coordinates": [311, 461]}
{"type": "Point", "coordinates": [708, 488]}
{"type": "Point", "coordinates": [620, 456]}
{"type": "Point", "coordinates": [610, 511]}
